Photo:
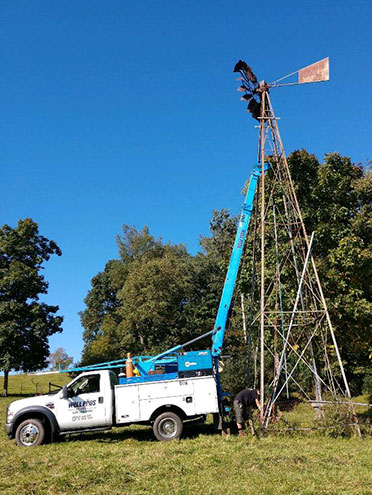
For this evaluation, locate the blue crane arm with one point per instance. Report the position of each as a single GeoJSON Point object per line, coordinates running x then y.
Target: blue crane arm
{"type": "Point", "coordinates": [232, 272]}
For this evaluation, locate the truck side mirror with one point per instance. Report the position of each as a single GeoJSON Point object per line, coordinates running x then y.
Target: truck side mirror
{"type": "Point", "coordinates": [64, 392]}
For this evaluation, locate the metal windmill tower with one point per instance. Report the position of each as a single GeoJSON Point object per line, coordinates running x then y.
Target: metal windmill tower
{"type": "Point", "coordinates": [289, 318]}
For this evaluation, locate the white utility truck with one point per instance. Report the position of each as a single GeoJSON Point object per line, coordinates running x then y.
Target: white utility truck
{"type": "Point", "coordinates": [95, 401]}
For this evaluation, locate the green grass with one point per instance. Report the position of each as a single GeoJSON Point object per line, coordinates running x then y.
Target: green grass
{"type": "Point", "coordinates": [129, 461]}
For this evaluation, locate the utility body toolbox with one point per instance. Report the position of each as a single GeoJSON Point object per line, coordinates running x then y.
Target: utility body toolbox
{"type": "Point", "coordinates": [140, 401]}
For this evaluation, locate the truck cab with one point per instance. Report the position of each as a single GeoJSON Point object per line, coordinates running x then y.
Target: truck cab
{"type": "Point", "coordinates": [85, 403]}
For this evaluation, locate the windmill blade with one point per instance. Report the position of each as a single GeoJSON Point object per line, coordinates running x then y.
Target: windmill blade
{"type": "Point", "coordinates": [240, 65]}
{"type": "Point", "coordinates": [246, 71]}
{"type": "Point", "coordinates": [316, 72]}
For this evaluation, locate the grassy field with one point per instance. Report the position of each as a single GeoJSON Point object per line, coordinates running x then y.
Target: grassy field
{"type": "Point", "coordinates": [129, 461]}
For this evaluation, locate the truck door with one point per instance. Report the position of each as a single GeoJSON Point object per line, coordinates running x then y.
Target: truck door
{"type": "Point", "coordinates": [86, 404]}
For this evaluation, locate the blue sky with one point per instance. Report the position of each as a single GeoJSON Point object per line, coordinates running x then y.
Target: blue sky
{"type": "Point", "coordinates": [127, 112]}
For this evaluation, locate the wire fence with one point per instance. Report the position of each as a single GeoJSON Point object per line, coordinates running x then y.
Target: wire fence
{"type": "Point", "coordinates": [29, 385]}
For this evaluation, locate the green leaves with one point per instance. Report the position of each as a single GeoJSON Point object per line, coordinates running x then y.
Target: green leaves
{"type": "Point", "coordinates": [25, 324]}
{"type": "Point", "coordinates": [336, 203]}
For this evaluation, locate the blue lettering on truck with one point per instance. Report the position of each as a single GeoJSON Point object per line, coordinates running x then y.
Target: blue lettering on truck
{"type": "Point", "coordinates": [82, 403]}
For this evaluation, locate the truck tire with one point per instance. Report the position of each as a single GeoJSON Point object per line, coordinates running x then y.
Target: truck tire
{"type": "Point", "coordinates": [30, 433]}
{"type": "Point", "coordinates": [167, 426]}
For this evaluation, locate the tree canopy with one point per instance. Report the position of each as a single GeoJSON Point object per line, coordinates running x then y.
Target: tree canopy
{"type": "Point", "coordinates": [139, 302]}
{"type": "Point", "coordinates": [25, 322]}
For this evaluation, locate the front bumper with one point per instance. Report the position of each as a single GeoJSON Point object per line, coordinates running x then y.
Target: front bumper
{"type": "Point", "coordinates": [8, 428]}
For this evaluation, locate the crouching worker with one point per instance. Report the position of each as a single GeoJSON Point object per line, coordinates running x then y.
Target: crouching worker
{"type": "Point", "coordinates": [244, 403]}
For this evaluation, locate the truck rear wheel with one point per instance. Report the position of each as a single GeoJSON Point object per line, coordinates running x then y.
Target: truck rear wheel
{"type": "Point", "coordinates": [168, 426]}
{"type": "Point", "coordinates": [30, 433]}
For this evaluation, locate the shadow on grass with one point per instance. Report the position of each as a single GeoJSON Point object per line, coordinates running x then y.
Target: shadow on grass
{"type": "Point", "coordinates": [139, 434]}
{"type": "Point", "coordinates": [287, 405]}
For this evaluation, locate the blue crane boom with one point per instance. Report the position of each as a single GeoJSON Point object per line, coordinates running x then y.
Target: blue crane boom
{"type": "Point", "coordinates": [232, 272]}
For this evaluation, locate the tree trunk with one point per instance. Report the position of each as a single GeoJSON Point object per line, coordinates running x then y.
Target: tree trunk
{"type": "Point", "coordinates": [143, 342]}
{"type": "Point", "coordinates": [5, 387]}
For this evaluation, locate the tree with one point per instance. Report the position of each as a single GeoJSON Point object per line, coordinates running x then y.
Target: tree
{"type": "Point", "coordinates": [336, 203]}
{"type": "Point", "coordinates": [100, 318]}
{"type": "Point", "coordinates": [153, 300]}
{"type": "Point", "coordinates": [139, 302]}
{"type": "Point", "coordinates": [59, 359]}
{"type": "Point", "coordinates": [25, 322]}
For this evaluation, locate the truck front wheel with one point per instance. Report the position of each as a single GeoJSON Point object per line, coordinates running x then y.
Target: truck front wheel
{"type": "Point", "coordinates": [168, 426]}
{"type": "Point", "coordinates": [30, 433]}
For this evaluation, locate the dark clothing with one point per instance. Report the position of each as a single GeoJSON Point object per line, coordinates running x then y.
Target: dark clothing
{"type": "Point", "coordinates": [247, 397]}
{"type": "Point", "coordinates": [243, 407]}
{"type": "Point", "coordinates": [243, 404]}
{"type": "Point", "coordinates": [242, 413]}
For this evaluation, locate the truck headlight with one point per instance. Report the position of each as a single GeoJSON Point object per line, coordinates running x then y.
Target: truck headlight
{"type": "Point", "coordinates": [9, 414]}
